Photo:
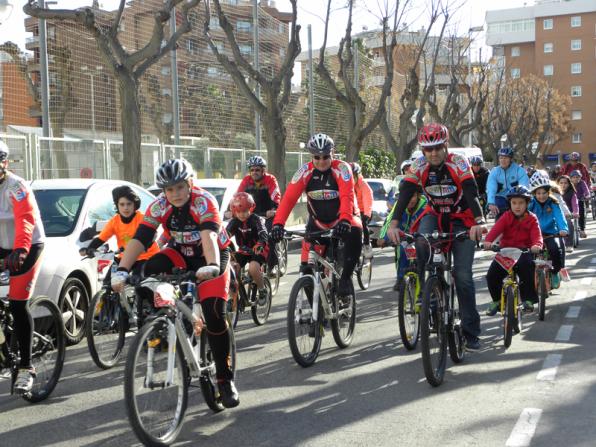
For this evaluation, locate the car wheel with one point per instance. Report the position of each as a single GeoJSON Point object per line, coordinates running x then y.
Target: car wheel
{"type": "Point", "coordinates": [73, 305]}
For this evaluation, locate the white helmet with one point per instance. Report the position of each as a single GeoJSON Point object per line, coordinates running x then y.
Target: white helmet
{"type": "Point", "coordinates": [3, 151]}
{"type": "Point", "coordinates": [539, 180]}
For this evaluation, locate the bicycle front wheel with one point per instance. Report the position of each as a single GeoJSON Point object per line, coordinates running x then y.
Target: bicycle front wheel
{"type": "Point", "coordinates": [282, 257]}
{"type": "Point", "coordinates": [508, 316]}
{"type": "Point", "coordinates": [261, 309]}
{"type": "Point", "coordinates": [48, 347]}
{"type": "Point", "coordinates": [106, 325]}
{"type": "Point", "coordinates": [433, 336]}
{"type": "Point", "coordinates": [304, 334]}
{"type": "Point", "coordinates": [542, 294]}
{"type": "Point", "coordinates": [407, 314]}
{"type": "Point", "coordinates": [455, 333]}
{"type": "Point", "coordinates": [343, 326]}
{"type": "Point", "coordinates": [155, 390]}
{"type": "Point", "coordinates": [364, 272]}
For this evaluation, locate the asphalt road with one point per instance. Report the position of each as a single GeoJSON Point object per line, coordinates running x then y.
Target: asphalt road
{"type": "Point", "coordinates": [539, 392]}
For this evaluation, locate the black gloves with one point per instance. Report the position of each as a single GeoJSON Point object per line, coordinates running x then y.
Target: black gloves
{"type": "Point", "coordinates": [277, 233]}
{"type": "Point", "coordinates": [342, 227]}
{"type": "Point", "coordinates": [14, 261]}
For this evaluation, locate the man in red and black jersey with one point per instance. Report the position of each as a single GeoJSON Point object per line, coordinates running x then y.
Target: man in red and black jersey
{"type": "Point", "coordinates": [331, 203]}
{"type": "Point", "coordinates": [453, 206]}
{"type": "Point", "coordinates": [197, 240]}
{"type": "Point", "coordinates": [263, 188]}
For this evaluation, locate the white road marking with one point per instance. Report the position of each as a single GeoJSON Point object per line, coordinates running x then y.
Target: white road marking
{"type": "Point", "coordinates": [573, 312]}
{"type": "Point", "coordinates": [549, 367]}
{"type": "Point", "coordinates": [564, 333]}
{"type": "Point", "coordinates": [524, 429]}
{"type": "Point", "coordinates": [586, 281]}
{"type": "Point", "coordinates": [593, 261]}
{"type": "Point", "coordinates": [581, 294]}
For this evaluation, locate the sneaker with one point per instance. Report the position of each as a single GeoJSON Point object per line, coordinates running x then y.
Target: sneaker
{"type": "Point", "coordinates": [493, 308]}
{"type": "Point", "coordinates": [565, 275]}
{"type": "Point", "coordinates": [24, 381]}
{"type": "Point", "coordinates": [472, 344]}
{"type": "Point", "coordinates": [262, 298]}
{"type": "Point", "coordinates": [228, 393]}
{"type": "Point", "coordinates": [368, 251]}
{"type": "Point", "coordinates": [569, 249]}
{"type": "Point", "coordinates": [528, 306]}
{"type": "Point", "coordinates": [582, 234]}
{"type": "Point", "coordinates": [555, 281]}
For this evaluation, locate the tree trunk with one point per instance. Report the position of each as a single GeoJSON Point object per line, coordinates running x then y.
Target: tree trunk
{"type": "Point", "coordinates": [275, 137]}
{"type": "Point", "coordinates": [130, 114]}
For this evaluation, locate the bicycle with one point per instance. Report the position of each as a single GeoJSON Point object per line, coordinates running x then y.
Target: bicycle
{"type": "Point", "coordinates": [313, 300]}
{"type": "Point", "coordinates": [247, 296]}
{"type": "Point", "coordinates": [364, 271]}
{"type": "Point", "coordinates": [440, 321]}
{"type": "Point", "coordinates": [168, 353]}
{"type": "Point", "coordinates": [408, 312]}
{"type": "Point", "coordinates": [593, 200]}
{"type": "Point", "coordinates": [543, 280]}
{"type": "Point", "coordinates": [48, 345]}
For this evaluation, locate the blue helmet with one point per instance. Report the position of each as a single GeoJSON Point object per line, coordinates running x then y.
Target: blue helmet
{"type": "Point", "coordinates": [505, 152]}
{"type": "Point", "coordinates": [519, 191]}
{"type": "Point", "coordinates": [476, 160]}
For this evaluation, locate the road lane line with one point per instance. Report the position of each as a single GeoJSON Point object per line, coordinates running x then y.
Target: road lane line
{"type": "Point", "coordinates": [573, 312]}
{"type": "Point", "coordinates": [564, 333]}
{"type": "Point", "coordinates": [549, 367]}
{"type": "Point", "coordinates": [593, 261]}
{"type": "Point", "coordinates": [524, 429]}
{"type": "Point", "coordinates": [581, 294]}
{"type": "Point", "coordinates": [586, 281]}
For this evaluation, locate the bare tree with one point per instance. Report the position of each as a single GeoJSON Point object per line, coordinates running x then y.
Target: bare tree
{"type": "Point", "coordinates": [126, 67]}
{"type": "Point", "coordinates": [275, 87]}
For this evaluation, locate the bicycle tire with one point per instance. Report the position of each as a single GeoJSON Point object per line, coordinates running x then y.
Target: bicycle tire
{"type": "Point", "coordinates": [542, 294]}
{"type": "Point", "coordinates": [593, 207]}
{"type": "Point", "coordinates": [99, 314]}
{"type": "Point", "coordinates": [260, 312]}
{"type": "Point", "coordinates": [300, 324]}
{"type": "Point", "coordinates": [274, 278]}
{"type": "Point", "coordinates": [431, 322]}
{"type": "Point", "coordinates": [455, 333]}
{"type": "Point", "coordinates": [343, 326]}
{"type": "Point", "coordinates": [154, 333]}
{"type": "Point", "coordinates": [406, 306]}
{"type": "Point", "coordinates": [282, 257]}
{"type": "Point", "coordinates": [48, 346]}
{"type": "Point", "coordinates": [508, 316]}
{"type": "Point", "coordinates": [364, 272]}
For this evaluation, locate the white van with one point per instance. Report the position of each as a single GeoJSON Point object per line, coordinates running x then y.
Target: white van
{"type": "Point", "coordinates": [465, 151]}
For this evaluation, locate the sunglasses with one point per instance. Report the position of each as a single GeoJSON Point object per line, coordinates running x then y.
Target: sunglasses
{"type": "Point", "coordinates": [256, 169]}
{"type": "Point", "coordinates": [433, 148]}
{"type": "Point", "coordinates": [321, 157]}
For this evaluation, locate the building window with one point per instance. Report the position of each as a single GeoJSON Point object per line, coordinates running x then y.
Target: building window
{"type": "Point", "coordinates": [576, 138]}
{"type": "Point", "coordinates": [515, 73]}
{"type": "Point", "coordinates": [245, 50]}
{"type": "Point", "coordinates": [212, 71]}
{"type": "Point", "coordinates": [576, 91]}
{"type": "Point", "coordinates": [192, 46]}
{"type": "Point", "coordinates": [548, 70]}
{"type": "Point", "coordinates": [514, 51]}
{"type": "Point", "coordinates": [165, 70]}
{"type": "Point", "coordinates": [576, 21]}
{"type": "Point", "coordinates": [576, 115]}
{"type": "Point", "coordinates": [548, 47]}
{"type": "Point", "coordinates": [576, 68]}
{"type": "Point", "coordinates": [214, 22]}
{"type": "Point", "coordinates": [243, 26]}
{"type": "Point", "coordinates": [576, 44]}
{"type": "Point", "coordinates": [547, 24]}
{"type": "Point", "coordinates": [282, 52]}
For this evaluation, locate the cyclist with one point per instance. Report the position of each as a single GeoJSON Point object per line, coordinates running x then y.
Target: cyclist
{"type": "Point", "coordinates": [569, 196]}
{"type": "Point", "coordinates": [501, 179]}
{"type": "Point", "coordinates": [453, 206]}
{"type": "Point", "coordinates": [593, 173]}
{"type": "Point", "coordinates": [551, 219]}
{"type": "Point", "coordinates": [583, 195]}
{"type": "Point", "coordinates": [575, 165]}
{"type": "Point", "coordinates": [520, 229]}
{"type": "Point", "coordinates": [329, 188]}
{"type": "Point", "coordinates": [555, 173]}
{"type": "Point", "coordinates": [251, 238]}
{"type": "Point", "coordinates": [197, 241]}
{"type": "Point", "coordinates": [364, 198]}
{"type": "Point", "coordinates": [481, 176]}
{"type": "Point", "coordinates": [21, 245]}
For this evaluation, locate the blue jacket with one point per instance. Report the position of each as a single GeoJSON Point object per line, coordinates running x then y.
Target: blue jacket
{"type": "Point", "coordinates": [549, 215]}
{"type": "Point", "coordinates": [500, 181]}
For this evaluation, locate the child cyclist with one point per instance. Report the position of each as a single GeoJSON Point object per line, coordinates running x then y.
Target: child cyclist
{"type": "Point", "coordinates": [520, 229]}
{"type": "Point", "coordinates": [583, 195]}
{"type": "Point", "coordinates": [570, 198]}
{"type": "Point", "coordinates": [251, 238]}
{"type": "Point", "coordinates": [408, 222]}
{"type": "Point", "coordinates": [551, 219]}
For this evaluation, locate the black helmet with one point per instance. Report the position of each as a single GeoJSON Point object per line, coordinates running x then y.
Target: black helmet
{"type": "Point", "coordinates": [320, 144]}
{"type": "Point", "coordinates": [129, 193]}
{"type": "Point", "coordinates": [519, 191]}
{"type": "Point", "coordinates": [173, 172]}
{"type": "Point", "coordinates": [4, 151]}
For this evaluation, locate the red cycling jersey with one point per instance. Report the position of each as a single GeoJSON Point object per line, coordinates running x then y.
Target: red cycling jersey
{"type": "Point", "coordinates": [265, 193]}
{"type": "Point", "coordinates": [364, 196]}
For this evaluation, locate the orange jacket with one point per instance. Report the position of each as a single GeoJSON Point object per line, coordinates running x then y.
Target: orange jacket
{"type": "Point", "coordinates": [364, 196]}
{"type": "Point", "coordinates": [124, 232]}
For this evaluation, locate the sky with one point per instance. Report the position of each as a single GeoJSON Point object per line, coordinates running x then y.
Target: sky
{"type": "Point", "coordinates": [312, 12]}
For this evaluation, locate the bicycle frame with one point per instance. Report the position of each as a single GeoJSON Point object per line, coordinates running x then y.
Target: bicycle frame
{"type": "Point", "coordinates": [510, 281]}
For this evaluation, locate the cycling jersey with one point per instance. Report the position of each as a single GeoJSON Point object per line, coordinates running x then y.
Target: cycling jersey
{"type": "Point", "coordinates": [364, 196]}
{"type": "Point", "coordinates": [549, 215]}
{"type": "Point", "coordinates": [330, 195]}
{"type": "Point", "coordinates": [124, 232]}
{"type": "Point", "coordinates": [265, 192]}
{"type": "Point", "coordinates": [500, 181]}
{"type": "Point", "coordinates": [249, 233]}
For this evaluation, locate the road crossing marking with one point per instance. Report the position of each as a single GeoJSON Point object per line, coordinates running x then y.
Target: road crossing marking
{"type": "Point", "coordinates": [524, 429]}
{"type": "Point", "coordinates": [549, 367]}
{"type": "Point", "coordinates": [564, 333]}
{"type": "Point", "coordinates": [586, 281]}
{"type": "Point", "coordinates": [593, 261]}
{"type": "Point", "coordinates": [573, 312]}
{"type": "Point", "coordinates": [580, 294]}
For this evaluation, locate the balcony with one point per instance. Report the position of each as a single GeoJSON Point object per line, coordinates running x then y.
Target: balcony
{"type": "Point", "coordinates": [34, 111]}
{"type": "Point", "coordinates": [33, 66]}
{"type": "Point", "coordinates": [32, 42]}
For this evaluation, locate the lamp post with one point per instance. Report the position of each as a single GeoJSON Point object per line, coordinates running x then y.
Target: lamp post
{"type": "Point", "coordinates": [92, 75]}
{"type": "Point", "coordinates": [473, 29]}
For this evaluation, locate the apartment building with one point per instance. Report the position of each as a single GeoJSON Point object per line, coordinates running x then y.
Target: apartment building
{"type": "Point", "coordinates": [556, 40]}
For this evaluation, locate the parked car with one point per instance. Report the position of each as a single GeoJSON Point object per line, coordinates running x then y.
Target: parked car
{"type": "Point", "coordinates": [380, 188]}
{"type": "Point", "coordinates": [67, 207]}
{"type": "Point", "coordinates": [221, 188]}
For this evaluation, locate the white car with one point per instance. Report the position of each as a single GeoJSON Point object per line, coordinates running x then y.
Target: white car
{"type": "Point", "coordinates": [380, 188]}
{"type": "Point", "coordinates": [67, 207]}
{"type": "Point", "coordinates": [221, 188]}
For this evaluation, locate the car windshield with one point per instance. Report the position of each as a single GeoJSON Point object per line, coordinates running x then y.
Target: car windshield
{"type": "Point", "coordinates": [378, 189]}
{"type": "Point", "coordinates": [217, 192]}
{"type": "Point", "coordinates": [59, 209]}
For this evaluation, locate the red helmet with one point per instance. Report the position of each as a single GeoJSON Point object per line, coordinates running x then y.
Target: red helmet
{"type": "Point", "coordinates": [242, 201]}
{"type": "Point", "coordinates": [433, 134]}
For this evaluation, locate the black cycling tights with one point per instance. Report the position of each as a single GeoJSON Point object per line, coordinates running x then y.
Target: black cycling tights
{"type": "Point", "coordinates": [23, 327]}
{"type": "Point", "coordinates": [214, 312]}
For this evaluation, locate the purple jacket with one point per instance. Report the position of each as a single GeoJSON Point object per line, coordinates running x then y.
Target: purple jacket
{"type": "Point", "coordinates": [582, 190]}
{"type": "Point", "coordinates": [570, 198]}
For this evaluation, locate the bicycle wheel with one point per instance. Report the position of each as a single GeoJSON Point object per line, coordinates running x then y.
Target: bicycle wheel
{"type": "Point", "coordinates": [508, 316]}
{"type": "Point", "coordinates": [208, 381]}
{"type": "Point", "coordinates": [343, 326]}
{"type": "Point", "coordinates": [455, 333]}
{"type": "Point", "coordinates": [155, 408]}
{"type": "Point", "coordinates": [106, 324]}
{"type": "Point", "coordinates": [542, 294]}
{"type": "Point", "coordinates": [304, 334]}
{"type": "Point", "coordinates": [407, 314]}
{"type": "Point", "coordinates": [433, 336]}
{"type": "Point", "coordinates": [364, 272]}
{"type": "Point", "coordinates": [274, 277]}
{"type": "Point", "coordinates": [48, 347]}
{"type": "Point", "coordinates": [575, 233]}
{"type": "Point", "coordinates": [593, 208]}
{"type": "Point", "coordinates": [260, 310]}
{"type": "Point", "coordinates": [282, 257]}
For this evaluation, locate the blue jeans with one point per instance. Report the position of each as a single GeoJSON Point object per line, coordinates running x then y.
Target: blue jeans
{"type": "Point", "coordinates": [463, 259]}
